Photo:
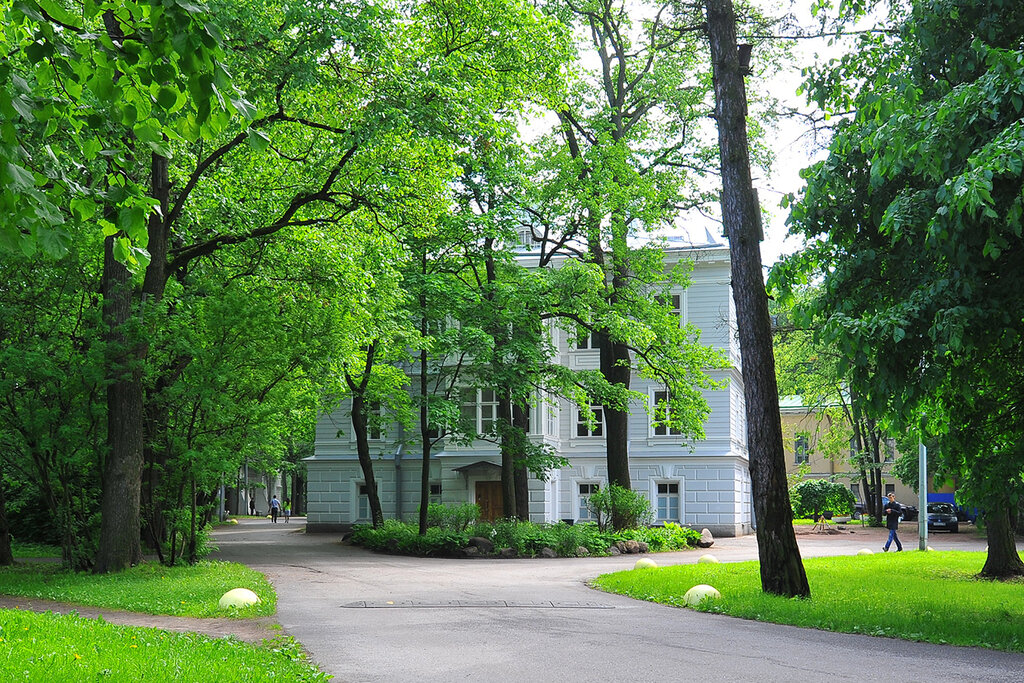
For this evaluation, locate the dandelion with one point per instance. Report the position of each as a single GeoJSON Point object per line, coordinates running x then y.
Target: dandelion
{"type": "Point", "coordinates": [78, 656]}
{"type": "Point", "coordinates": [133, 646]}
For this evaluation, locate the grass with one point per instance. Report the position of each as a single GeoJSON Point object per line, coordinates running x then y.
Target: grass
{"type": "Point", "coordinates": [149, 588]}
{"type": "Point", "coordinates": [23, 550]}
{"type": "Point", "coordinates": [49, 647]}
{"type": "Point", "coordinates": [925, 596]}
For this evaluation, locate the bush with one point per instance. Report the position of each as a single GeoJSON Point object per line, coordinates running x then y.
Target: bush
{"type": "Point", "coordinates": [811, 497]}
{"type": "Point", "coordinates": [525, 538]}
{"type": "Point", "coordinates": [452, 517]}
{"type": "Point", "coordinates": [631, 507]}
{"type": "Point", "coordinates": [398, 537]}
{"type": "Point", "coordinates": [661, 539]}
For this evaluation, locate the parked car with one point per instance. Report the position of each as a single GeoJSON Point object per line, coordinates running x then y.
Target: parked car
{"type": "Point", "coordinates": [942, 517]}
{"type": "Point", "coordinates": [910, 512]}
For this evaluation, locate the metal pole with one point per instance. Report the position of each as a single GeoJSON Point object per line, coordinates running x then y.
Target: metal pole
{"type": "Point", "coordinates": [922, 494]}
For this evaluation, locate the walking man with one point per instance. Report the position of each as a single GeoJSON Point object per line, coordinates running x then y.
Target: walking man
{"type": "Point", "coordinates": [892, 522]}
{"type": "Point", "coordinates": [275, 507]}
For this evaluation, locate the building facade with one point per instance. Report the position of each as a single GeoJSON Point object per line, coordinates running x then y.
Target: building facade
{"type": "Point", "coordinates": [701, 484]}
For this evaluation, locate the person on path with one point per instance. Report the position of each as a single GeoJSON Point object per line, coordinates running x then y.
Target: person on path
{"type": "Point", "coordinates": [892, 522]}
{"type": "Point", "coordinates": [252, 507]}
{"type": "Point", "coordinates": [275, 507]}
{"type": "Point", "coordinates": [287, 510]}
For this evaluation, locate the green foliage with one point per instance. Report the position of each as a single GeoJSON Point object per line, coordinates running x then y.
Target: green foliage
{"type": "Point", "coordinates": [939, 593]}
{"type": "Point", "coordinates": [452, 517]}
{"type": "Point", "coordinates": [914, 224]}
{"type": "Point", "coordinates": [617, 502]}
{"type": "Point", "coordinates": [665, 538]}
{"type": "Point", "coordinates": [525, 538]}
{"type": "Point", "coordinates": [186, 591]}
{"type": "Point", "coordinates": [399, 537]}
{"type": "Point", "coordinates": [72, 648]}
{"type": "Point", "coordinates": [812, 497]}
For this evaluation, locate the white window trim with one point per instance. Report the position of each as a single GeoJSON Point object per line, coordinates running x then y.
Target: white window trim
{"type": "Point", "coordinates": [653, 497]}
{"type": "Point", "coordinates": [651, 392]}
{"type": "Point", "coordinates": [577, 421]}
{"type": "Point", "coordinates": [355, 500]}
{"type": "Point", "coordinates": [576, 497]}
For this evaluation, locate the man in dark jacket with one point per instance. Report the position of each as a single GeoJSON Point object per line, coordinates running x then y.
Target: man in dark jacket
{"type": "Point", "coordinates": [892, 522]}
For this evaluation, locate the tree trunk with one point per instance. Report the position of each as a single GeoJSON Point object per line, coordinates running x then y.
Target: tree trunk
{"type": "Point", "coordinates": [509, 449]}
{"type": "Point", "coordinates": [424, 428]}
{"type": "Point", "coordinates": [359, 426]}
{"type": "Point", "coordinates": [6, 555]}
{"type": "Point", "coordinates": [119, 546]}
{"type": "Point", "coordinates": [521, 422]}
{"type": "Point", "coordinates": [782, 571]}
{"type": "Point", "coordinates": [1002, 561]}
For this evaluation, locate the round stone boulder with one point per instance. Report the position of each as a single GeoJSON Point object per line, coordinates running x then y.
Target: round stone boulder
{"type": "Point", "coordinates": [700, 593]}
{"type": "Point", "coordinates": [645, 563]}
{"type": "Point", "coordinates": [238, 597]}
{"type": "Point", "coordinates": [865, 551]}
{"type": "Point", "coordinates": [707, 559]}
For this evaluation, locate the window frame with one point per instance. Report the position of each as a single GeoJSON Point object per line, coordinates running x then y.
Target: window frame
{"type": "Point", "coordinates": [660, 431]}
{"type": "Point", "coordinates": [581, 424]}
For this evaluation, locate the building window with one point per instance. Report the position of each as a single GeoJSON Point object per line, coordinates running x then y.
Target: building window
{"type": "Point", "coordinates": [660, 414]}
{"type": "Point", "coordinates": [889, 450]}
{"type": "Point", "coordinates": [675, 304]}
{"type": "Point", "coordinates": [363, 507]}
{"type": "Point", "coordinates": [479, 410]}
{"type": "Point", "coordinates": [855, 489]}
{"type": "Point", "coordinates": [435, 493]}
{"type": "Point", "coordinates": [801, 449]}
{"type": "Point", "coordinates": [585, 342]}
{"type": "Point", "coordinates": [375, 421]}
{"type": "Point", "coordinates": [668, 502]}
{"type": "Point", "coordinates": [587, 490]}
{"type": "Point", "coordinates": [583, 429]}
{"type": "Point", "coordinates": [889, 488]}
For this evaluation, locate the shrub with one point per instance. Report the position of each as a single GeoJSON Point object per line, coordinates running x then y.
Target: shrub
{"type": "Point", "coordinates": [631, 507]}
{"type": "Point", "coordinates": [663, 538]}
{"type": "Point", "coordinates": [398, 537]}
{"type": "Point", "coordinates": [452, 517]}
{"type": "Point", "coordinates": [526, 538]}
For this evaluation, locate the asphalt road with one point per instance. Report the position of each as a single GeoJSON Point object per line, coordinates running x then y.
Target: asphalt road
{"type": "Point", "coordinates": [369, 617]}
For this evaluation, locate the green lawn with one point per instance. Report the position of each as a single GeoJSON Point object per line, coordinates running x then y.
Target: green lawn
{"type": "Point", "coordinates": [23, 550]}
{"type": "Point", "coordinates": [49, 647]}
{"type": "Point", "coordinates": [149, 588]}
{"type": "Point", "coordinates": [930, 596]}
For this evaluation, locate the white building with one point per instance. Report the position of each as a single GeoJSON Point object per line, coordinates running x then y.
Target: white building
{"type": "Point", "coordinates": [703, 484]}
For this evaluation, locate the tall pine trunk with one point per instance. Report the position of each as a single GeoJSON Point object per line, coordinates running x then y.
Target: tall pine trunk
{"type": "Point", "coordinates": [782, 571]}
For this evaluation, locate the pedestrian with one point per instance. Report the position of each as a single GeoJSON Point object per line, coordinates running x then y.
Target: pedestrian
{"type": "Point", "coordinates": [252, 506]}
{"type": "Point", "coordinates": [275, 507]}
{"type": "Point", "coordinates": [287, 510]}
{"type": "Point", "coordinates": [892, 522]}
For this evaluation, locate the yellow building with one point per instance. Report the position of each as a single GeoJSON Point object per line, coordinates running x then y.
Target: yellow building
{"type": "Point", "coordinates": [808, 437]}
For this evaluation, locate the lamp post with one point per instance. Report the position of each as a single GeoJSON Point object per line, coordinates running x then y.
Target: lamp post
{"type": "Point", "coordinates": [922, 490]}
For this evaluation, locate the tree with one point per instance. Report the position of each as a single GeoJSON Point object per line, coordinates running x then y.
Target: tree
{"type": "Point", "coordinates": [809, 368]}
{"type": "Point", "coordinates": [914, 222]}
{"type": "Point", "coordinates": [623, 162]}
{"type": "Point", "coordinates": [811, 497]}
{"type": "Point", "coordinates": [782, 571]}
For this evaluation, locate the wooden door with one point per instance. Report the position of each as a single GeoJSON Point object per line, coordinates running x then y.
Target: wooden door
{"type": "Point", "coordinates": [489, 498]}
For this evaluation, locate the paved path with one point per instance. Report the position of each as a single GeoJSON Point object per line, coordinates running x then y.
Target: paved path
{"type": "Point", "coordinates": [368, 617]}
